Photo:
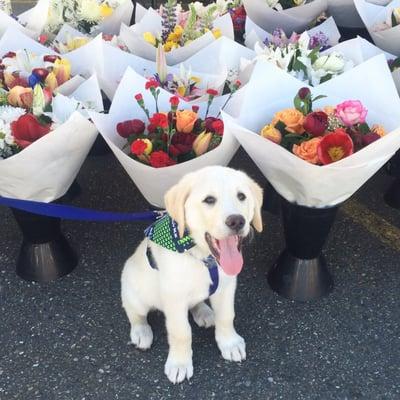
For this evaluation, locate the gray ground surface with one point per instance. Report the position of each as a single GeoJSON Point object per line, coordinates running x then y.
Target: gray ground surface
{"type": "Point", "coordinates": [69, 339]}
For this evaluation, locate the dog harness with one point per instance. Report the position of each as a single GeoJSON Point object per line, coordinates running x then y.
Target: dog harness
{"type": "Point", "coordinates": [164, 232]}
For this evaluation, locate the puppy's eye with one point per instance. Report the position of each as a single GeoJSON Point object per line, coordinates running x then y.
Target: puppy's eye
{"type": "Point", "coordinates": [241, 196]}
{"type": "Point", "coordinates": [210, 200]}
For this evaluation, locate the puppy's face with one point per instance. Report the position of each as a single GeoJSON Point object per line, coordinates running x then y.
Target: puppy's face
{"type": "Point", "coordinates": [217, 205]}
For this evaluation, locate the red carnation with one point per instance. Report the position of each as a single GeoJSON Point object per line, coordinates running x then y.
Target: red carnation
{"type": "Point", "coordinates": [138, 147]}
{"type": "Point", "coordinates": [139, 97]}
{"type": "Point", "coordinates": [316, 123]}
{"type": "Point", "coordinates": [335, 146]}
{"type": "Point", "coordinates": [159, 159]}
{"type": "Point", "coordinates": [195, 109]}
{"type": "Point", "coordinates": [174, 100]}
{"type": "Point", "coordinates": [131, 127]}
{"type": "Point", "coordinates": [212, 92]}
{"type": "Point", "coordinates": [27, 129]}
{"type": "Point", "coordinates": [151, 83]}
{"type": "Point", "coordinates": [218, 127]}
{"type": "Point", "coordinates": [159, 120]}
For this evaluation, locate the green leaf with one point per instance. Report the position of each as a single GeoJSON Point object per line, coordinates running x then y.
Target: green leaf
{"type": "Point", "coordinates": [364, 128]}
{"type": "Point", "coordinates": [44, 119]}
{"type": "Point", "coordinates": [326, 78]}
{"type": "Point", "coordinates": [394, 20]}
{"type": "Point", "coordinates": [281, 128]}
{"type": "Point", "coordinates": [289, 140]}
{"type": "Point", "coordinates": [321, 96]}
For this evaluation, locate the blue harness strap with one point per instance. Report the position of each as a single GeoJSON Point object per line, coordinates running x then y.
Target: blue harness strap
{"type": "Point", "coordinates": [164, 232]}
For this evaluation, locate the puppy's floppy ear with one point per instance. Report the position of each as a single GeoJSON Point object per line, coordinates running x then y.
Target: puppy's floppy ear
{"type": "Point", "coordinates": [175, 200]}
{"type": "Point", "coordinates": [257, 193]}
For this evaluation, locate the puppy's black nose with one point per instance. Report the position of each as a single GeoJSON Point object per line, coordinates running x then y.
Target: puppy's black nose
{"type": "Point", "coordinates": [235, 222]}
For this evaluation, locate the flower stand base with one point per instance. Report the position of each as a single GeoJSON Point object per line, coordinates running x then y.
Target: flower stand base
{"type": "Point", "coordinates": [301, 273]}
{"type": "Point", "coordinates": [45, 253]}
{"type": "Point", "coordinates": [392, 195]}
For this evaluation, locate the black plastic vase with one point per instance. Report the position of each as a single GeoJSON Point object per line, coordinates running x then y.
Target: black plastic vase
{"type": "Point", "coordinates": [45, 253]}
{"type": "Point", "coordinates": [301, 272]}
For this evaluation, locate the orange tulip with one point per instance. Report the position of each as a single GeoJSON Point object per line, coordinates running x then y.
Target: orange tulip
{"type": "Point", "coordinates": [20, 96]}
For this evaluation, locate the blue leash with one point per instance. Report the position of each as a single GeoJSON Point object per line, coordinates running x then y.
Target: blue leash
{"type": "Point", "coordinates": [76, 213]}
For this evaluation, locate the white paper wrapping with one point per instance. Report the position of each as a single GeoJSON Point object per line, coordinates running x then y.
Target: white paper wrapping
{"type": "Point", "coordinates": [296, 180]}
{"type": "Point", "coordinates": [46, 169]}
{"type": "Point", "coordinates": [152, 22]}
{"type": "Point", "coordinates": [371, 14]}
{"type": "Point", "coordinates": [33, 19]}
{"type": "Point", "coordinates": [111, 73]}
{"type": "Point", "coordinates": [154, 182]}
{"type": "Point", "coordinates": [256, 34]}
{"type": "Point", "coordinates": [6, 22]}
{"type": "Point", "coordinates": [345, 13]}
{"type": "Point", "coordinates": [295, 19]}
{"type": "Point", "coordinates": [121, 15]}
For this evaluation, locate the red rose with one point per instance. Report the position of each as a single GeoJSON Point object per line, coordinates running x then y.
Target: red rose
{"type": "Point", "coordinates": [335, 146]}
{"type": "Point", "coordinates": [40, 73]}
{"type": "Point", "coordinates": [131, 127]}
{"type": "Point", "coordinates": [139, 97]}
{"type": "Point", "coordinates": [43, 39]}
{"type": "Point", "coordinates": [159, 159]}
{"type": "Point", "coordinates": [174, 100]}
{"type": "Point", "coordinates": [369, 138]}
{"type": "Point", "coordinates": [10, 54]}
{"type": "Point", "coordinates": [212, 92]}
{"type": "Point", "coordinates": [138, 147]}
{"type": "Point", "coordinates": [151, 83]}
{"type": "Point", "coordinates": [316, 123]}
{"type": "Point", "coordinates": [27, 129]}
{"type": "Point", "coordinates": [159, 120]}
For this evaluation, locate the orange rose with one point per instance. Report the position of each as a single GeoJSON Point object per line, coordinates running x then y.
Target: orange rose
{"type": "Point", "coordinates": [185, 120]}
{"type": "Point", "coordinates": [292, 118]}
{"type": "Point", "coordinates": [379, 130]}
{"type": "Point", "coordinates": [20, 96]}
{"type": "Point", "coordinates": [308, 151]}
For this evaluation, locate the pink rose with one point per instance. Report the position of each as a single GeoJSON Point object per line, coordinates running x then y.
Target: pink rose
{"type": "Point", "coordinates": [351, 112]}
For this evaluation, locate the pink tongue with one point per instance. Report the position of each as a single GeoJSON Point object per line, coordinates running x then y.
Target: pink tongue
{"type": "Point", "coordinates": [230, 258]}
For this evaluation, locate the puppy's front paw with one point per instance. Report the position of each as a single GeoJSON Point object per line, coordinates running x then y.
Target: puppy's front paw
{"type": "Point", "coordinates": [142, 336]}
{"type": "Point", "coordinates": [233, 348]}
{"type": "Point", "coordinates": [176, 371]}
{"type": "Point", "coordinates": [203, 315]}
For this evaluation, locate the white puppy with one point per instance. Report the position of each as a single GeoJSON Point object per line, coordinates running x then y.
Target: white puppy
{"type": "Point", "coordinates": [192, 254]}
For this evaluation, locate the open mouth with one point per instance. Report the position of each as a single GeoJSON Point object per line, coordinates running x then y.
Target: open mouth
{"type": "Point", "coordinates": [227, 252]}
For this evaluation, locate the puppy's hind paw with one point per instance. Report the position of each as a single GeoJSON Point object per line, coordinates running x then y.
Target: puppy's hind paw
{"type": "Point", "coordinates": [177, 372]}
{"type": "Point", "coordinates": [142, 336]}
{"type": "Point", "coordinates": [233, 348]}
{"type": "Point", "coordinates": [203, 315]}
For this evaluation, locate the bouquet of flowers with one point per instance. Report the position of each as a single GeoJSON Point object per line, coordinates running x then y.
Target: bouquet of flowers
{"type": "Point", "coordinates": [88, 16]}
{"type": "Point", "coordinates": [289, 15]}
{"type": "Point", "coordinates": [256, 34]}
{"type": "Point", "coordinates": [345, 12]}
{"type": "Point", "coordinates": [382, 23]}
{"type": "Point", "coordinates": [180, 33]}
{"type": "Point", "coordinates": [332, 152]}
{"type": "Point", "coordinates": [172, 134]}
{"type": "Point", "coordinates": [25, 69]}
{"type": "Point", "coordinates": [302, 57]}
{"type": "Point", "coordinates": [323, 136]}
{"type": "Point", "coordinates": [190, 80]}
{"type": "Point", "coordinates": [44, 139]}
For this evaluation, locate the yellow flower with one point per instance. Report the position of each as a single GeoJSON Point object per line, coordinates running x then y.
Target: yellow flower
{"type": "Point", "coordinates": [181, 90]}
{"type": "Point", "coordinates": [217, 33]}
{"type": "Point", "coordinates": [51, 81]}
{"type": "Point", "coordinates": [271, 133]}
{"type": "Point", "coordinates": [149, 146]}
{"type": "Point", "coordinates": [195, 79]}
{"type": "Point", "coordinates": [201, 143]}
{"type": "Point", "coordinates": [105, 10]}
{"type": "Point", "coordinates": [178, 30]}
{"type": "Point", "coordinates": [168, 46]}
{"type": "Point", "coordinates": [173, 37]}
{"type": "Point", "coordinates": [62, 70]}
{"type": "Point", "coordinates": [149, 38]}
{"type": "Point", "coordinates": [77, 42]}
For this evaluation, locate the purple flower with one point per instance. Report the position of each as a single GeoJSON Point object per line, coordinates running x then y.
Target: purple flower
{"type": "Point", "coordinates": [319, 40]}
